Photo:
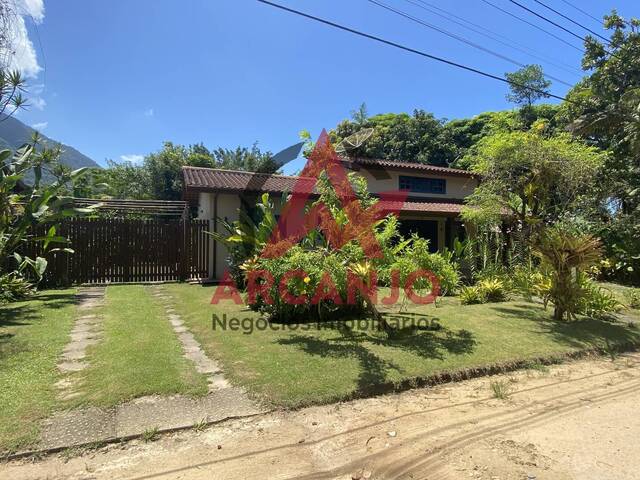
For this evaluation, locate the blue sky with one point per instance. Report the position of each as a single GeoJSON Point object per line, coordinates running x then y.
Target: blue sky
{"type": "Point", "coordinates": [120, 77]}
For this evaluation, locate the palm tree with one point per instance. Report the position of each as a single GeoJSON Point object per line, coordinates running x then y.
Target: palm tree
{"type": "Point", "coordinates": [623, 116]}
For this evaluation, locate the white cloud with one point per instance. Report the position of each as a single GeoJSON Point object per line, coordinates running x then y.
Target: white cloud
{"type": "Point", "coordinates": [148, 112]}
{"type": "Point", "coordinates": [37, 102]}
{"type": "Point", "coordinates": [35, 88]}
{"type": "Point", "coordinates": [34, 8]}
{"type": "Point", "coordinates": [132, 158]}
{"type": "Point", "coordinates": [40, 125]}
{"type": "Point", "coordinates": [20, 53]}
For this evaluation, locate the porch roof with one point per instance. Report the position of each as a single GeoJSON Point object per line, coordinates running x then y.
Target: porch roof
{"type": "Point", "coordinates": [409, 206]}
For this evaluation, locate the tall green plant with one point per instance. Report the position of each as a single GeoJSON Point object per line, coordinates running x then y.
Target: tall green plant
{"type": "Point", "coordinates": [23, 207]}
{"type": "Point", "coordinates": [567, 255]}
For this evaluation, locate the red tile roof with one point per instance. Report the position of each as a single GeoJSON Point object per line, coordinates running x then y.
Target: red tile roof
{"type": "Point", "coordinates": [422, 167]}
{"type": "Point", "coordinates": [235, 181]}
{"type": "Point", "coordinates": [424, 207]}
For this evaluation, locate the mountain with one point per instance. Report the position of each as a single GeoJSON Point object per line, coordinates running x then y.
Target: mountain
{"type": "Point", "coordinates": [14, 133]}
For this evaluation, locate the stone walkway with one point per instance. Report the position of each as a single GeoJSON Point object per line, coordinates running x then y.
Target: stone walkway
{"type": "Point", "coordinates": [161, 413]}
{"type": "Point", "coordinates": [192, 349]}
{"type": "Point", "coordinates": [87, 331]}
{"type": "Point", "coordinates": [94, 425]}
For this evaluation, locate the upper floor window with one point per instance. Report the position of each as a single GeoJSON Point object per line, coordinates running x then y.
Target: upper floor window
{"type": "Point", "coordinates": [423, 185]}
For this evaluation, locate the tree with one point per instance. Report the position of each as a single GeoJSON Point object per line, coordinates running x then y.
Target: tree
{"type": "Point", "coordinates": [23, 207]}
{"type": "Point", "coordinates": [527, 85]}
{"type": "Point", "coordinates": [536, 180]}
{"type": "Point", "coordinates": [12, 87]}
{"type": "Point", "coordinates": [360, 115]}
{"type": "Point", "coordinates": [465, 133]}
{"type": "Point", "coordinates": [12, 83]}
{"type": "Point", "coordinates": [160, 174]}
{"type": "Point", "coordinates": [247, 159]}
{"type": "Point", "coordinates": [118, 180]}
{"type": "Point", "coordinates": [605, 110]}
{"type": "Point", "coordinates": [402, 137]}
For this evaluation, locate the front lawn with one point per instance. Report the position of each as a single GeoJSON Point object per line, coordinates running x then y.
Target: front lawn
{"type": "Point", "coordinates": [32, 336]}
{"type": "Point", "coordinates": [303, 365]}
{"type": "Point", "coordinates": [138, 355]}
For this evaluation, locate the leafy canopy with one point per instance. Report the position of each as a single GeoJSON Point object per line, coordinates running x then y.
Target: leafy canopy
{"type": "Point", "coordinates": [534, 178]}
{"type": "Point", "coordinates": [406, 138]}
{"type": "Point", "coordinates": [160, 174]}
{"type": "Point", "coordinates": [527, 85]}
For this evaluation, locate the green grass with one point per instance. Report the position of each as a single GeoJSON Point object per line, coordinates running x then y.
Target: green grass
{"type": "Point", "coordinates": [32, 336]}
{"type": "Point", "coordinates": [300, 367]}
{"type": "Point", "coordinates": [138, 355]}
{"type": "Point", "coordinates": [619, 291]}
{"type": "Point", "coordinates": [501, 389]}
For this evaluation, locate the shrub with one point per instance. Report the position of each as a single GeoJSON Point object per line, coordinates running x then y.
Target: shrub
{"type": "Point", "coordinates": [566, 255]}
{"type": "Point", "coordinates": [417, 256]}
{"type": "Point", "coordinates": [493, 289]}
{"type": "Point", "coordinates": [597, 302]}
{"type": "Point", "coordinates": [315, 264]}
{"type": "Point", "coordinates": [14, 287]}
{"type": "Point", "coordinates": [472, 295]}
{"type": "Point", "coordinates": [524, 281]}
{"type": "Point", "coordinates": [632, 297]}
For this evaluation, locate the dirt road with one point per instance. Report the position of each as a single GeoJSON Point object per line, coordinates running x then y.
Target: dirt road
{"type": "Point", "coordinates": [576, 421]}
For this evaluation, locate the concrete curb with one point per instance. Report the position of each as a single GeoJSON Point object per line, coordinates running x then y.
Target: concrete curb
{"type": "Point", "coordinates": [124, 438]}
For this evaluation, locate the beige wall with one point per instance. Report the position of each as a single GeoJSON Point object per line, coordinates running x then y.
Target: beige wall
{"type": "Point", "coordinates": [229, 203]}
{"type": "Point", "coordinates": [457, 187]}
{"type": "Point", "coordinates": [224, 206]}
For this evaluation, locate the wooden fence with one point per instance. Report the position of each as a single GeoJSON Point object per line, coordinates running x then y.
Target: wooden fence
{"type": "Point", "coordinates": [127, 250]}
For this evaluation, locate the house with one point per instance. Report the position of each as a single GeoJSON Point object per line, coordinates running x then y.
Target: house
{"type": "Point", "coordinates": [432, 209]}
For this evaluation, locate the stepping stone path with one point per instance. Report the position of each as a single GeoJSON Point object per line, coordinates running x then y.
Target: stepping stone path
{"type": "Point", "coordinates": [88, 425]}
{"type": "Point", "coordinates": [192, 349]}
{"type": "Point", "coordinates": [87, 331]}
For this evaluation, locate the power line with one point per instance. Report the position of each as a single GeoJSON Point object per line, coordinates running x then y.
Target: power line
{"type": "Point", "coordinates": [547, 20]}
{"type": "Point", "coordinates": [599, 20]}
{"type": "Point", "coordinates": [570, 19]}
{"type": "Point", "coordinates": [480, 30]}
{"type": "Point", "coordinates": [459, 38]}
{"type": "Point", "coordinates": [409, 49]}
{"type": "Point", "coordinates": [44, 58]}
{"type": "Point", "coordinates": [507, 12]}
{"type": "Point", "coordinates": [558, 25]}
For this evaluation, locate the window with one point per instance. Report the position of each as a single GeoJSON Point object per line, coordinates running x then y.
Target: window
{"type": "Point", "coordinates": [423, 185]}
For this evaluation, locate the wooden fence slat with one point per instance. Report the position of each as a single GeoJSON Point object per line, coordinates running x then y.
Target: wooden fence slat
{"type": "Point", "coordinates": [124, 250]}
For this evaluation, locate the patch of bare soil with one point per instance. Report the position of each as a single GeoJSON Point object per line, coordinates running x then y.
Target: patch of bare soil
{"type": "Point", "coordinates": [576, 421]}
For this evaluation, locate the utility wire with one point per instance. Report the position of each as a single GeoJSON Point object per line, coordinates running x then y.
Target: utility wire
{"type": "Point", "coordinates": [496, 37]}
{"type": "Point", "coordinates": [571, 20]}
{"type": "Point", "coordinates": [459, 38]}
{"type": "Point", "coordinates": [409, 49]}
{"type": "Point", "coordinates": [599, 20]}
{"type": "Point", "coordinates": [557, 25]}
{"type": "Point", "coordinates": [547, 20]}
{"type": "Point", "coordinates": [507, 12]}
{"type": "Point", "coordinates": [44, 58]}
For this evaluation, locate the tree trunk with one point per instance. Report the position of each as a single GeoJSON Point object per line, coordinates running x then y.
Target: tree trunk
{"type": "Point", "coordinates": [558, 313]}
